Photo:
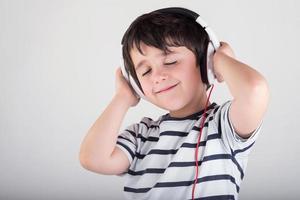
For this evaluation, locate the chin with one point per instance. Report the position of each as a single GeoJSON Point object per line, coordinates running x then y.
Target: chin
{"type": "Point", "coordinates": [172, 106]}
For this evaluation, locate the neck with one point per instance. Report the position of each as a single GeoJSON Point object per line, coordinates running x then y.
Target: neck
{"type": "Point", "coordinates": [196, 105]}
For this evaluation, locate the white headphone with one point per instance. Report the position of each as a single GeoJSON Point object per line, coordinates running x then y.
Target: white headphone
{"type": "Point", "coordinates": [213, 45]}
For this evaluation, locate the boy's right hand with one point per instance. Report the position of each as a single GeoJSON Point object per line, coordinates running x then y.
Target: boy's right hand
{"type": "Point", "coordinates": [123, 90]}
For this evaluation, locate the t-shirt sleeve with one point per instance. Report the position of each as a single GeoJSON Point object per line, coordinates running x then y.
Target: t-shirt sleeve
{"type": "Point", "coordinates": [127, 141]}
{"type": "Point", "coordinates": [233, 142]}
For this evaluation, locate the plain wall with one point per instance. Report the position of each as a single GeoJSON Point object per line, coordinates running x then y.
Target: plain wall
{"type": "Point", "coordinates": [57, 67]}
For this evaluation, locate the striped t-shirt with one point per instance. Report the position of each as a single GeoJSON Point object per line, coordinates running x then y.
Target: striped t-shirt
{"type": "Point", "coordinates": [162, 156]}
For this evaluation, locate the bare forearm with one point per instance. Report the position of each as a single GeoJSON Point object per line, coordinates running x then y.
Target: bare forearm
{"type": "Point", "coordinates": [241, 79]}
{"type": "Point", "coordinates": [248, 87]}
{"type": "Point", "coordinates": [101, 138]}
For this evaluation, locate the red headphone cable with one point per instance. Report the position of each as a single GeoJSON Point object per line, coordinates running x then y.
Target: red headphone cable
{"type": "Point", "coordinates": [198, 142]}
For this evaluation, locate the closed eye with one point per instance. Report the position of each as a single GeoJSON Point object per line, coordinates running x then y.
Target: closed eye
{"type": "Point", "coordinates": [146, 72]}
{"type": "Point", "coordinates": [168, 63]}
{"type": "Point", "coordinates": [171, 63]}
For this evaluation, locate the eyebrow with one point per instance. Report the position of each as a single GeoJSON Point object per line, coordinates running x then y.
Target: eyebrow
{"type": "Point", "coordinates": [158, 55]}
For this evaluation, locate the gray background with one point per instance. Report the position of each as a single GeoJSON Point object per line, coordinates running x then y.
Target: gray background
{"type": "Point", "coordinates": [57, 65]}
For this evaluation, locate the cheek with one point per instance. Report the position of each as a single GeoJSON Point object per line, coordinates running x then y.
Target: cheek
{"type": "Point", "coordinates": [191, 73]}
{"type": "Point", "coordinates": [192, 79]}
{"type": "Point", "coordinates": [146, 87]}
{"type": "Point", "coordinates": [197, 75]}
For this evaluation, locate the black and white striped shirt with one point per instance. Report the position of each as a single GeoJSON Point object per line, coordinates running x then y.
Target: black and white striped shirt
{"type": "Point", "coordinates": [162, 156]}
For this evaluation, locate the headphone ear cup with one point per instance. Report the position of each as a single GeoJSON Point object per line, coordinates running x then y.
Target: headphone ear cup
{"type": "Point", "coordinates": [137, 91]}
{"type": "Point", "coordinates": [131, 82]}
{"type": "Point", "coordinates": [124, 73]}
{"type": "Point", "coordinates": [210, 73]}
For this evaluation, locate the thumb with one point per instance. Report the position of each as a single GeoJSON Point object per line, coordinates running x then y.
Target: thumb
{"type": "Point", "coordinates": [118, 71]}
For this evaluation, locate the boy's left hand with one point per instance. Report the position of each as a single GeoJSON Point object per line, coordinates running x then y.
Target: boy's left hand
{"type": "Point", "coordinates": [224, 49]}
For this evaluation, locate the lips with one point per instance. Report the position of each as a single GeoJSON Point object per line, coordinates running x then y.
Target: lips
{"type": "Point", "coordinates": [166, 88]}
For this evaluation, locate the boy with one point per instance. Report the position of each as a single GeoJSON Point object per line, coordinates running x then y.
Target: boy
{"type": "Point", "coordinates": [156, 157]}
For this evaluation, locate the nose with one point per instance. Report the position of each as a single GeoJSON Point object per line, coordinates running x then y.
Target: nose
{"type": "Point", "coordinates": [158, 75]}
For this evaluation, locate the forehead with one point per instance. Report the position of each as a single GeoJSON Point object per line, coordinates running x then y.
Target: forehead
{"type": "Point", "coordinates": [146, 50]}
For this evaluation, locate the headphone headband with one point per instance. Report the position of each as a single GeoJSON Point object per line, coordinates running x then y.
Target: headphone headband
{"type": "Point", "coordinates": [179, 10]}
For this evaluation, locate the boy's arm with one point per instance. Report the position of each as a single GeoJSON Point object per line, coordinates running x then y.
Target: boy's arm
{"type": "Point", "coordinates": [247, 86]}
{"type": "Point", "coordinates": [100, 141]}
{"type": "Point", "coordinates": [98, 151]}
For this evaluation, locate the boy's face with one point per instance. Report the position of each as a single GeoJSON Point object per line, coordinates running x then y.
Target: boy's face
{"type": "Point", "coordinates": [171, 81]}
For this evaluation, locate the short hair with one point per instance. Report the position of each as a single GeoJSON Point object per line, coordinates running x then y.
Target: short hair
{"type": "Point", "coordinates": [163, 30]}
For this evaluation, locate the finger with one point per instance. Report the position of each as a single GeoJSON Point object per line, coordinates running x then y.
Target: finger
{"type": "Point", "coordinates": [119, 72]}
{"type": "Point", "coordinates": [119, 75]}
{"type": "Point", "coordinates": [224, 44]}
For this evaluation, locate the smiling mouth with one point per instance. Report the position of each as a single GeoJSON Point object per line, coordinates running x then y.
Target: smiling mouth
{"type": "Point", "coordinates": [167, 89]}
